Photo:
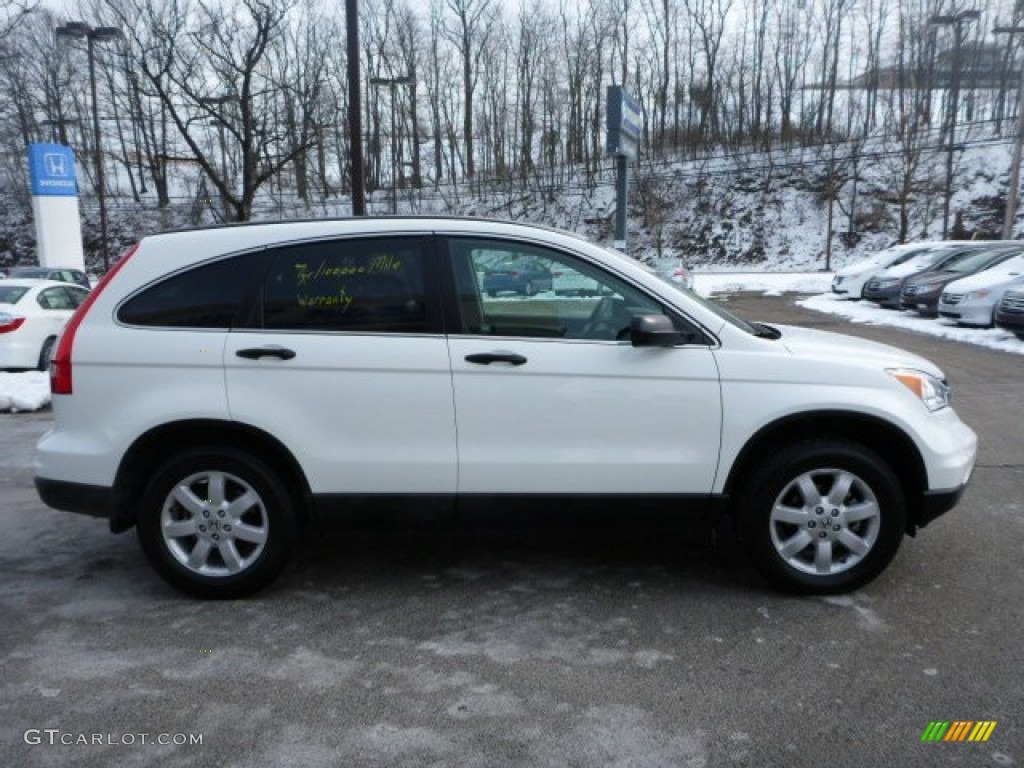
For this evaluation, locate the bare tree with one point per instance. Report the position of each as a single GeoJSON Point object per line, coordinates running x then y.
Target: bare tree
{"type": "Point", "coordinates": [469, 24]}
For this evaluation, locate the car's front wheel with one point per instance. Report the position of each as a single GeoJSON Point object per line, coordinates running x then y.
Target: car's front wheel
{"type": "Point", "coordinates": [822, 516]}
{"type": "Point", "coordinates": [216, 523]}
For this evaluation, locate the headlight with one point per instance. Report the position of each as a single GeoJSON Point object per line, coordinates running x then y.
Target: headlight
{"type": "Point", "coordinates": [888, 282]}
{"type": "Point", "coordinates": [975, 295]}
{"type": "Point", "coordinates": [933, 392]}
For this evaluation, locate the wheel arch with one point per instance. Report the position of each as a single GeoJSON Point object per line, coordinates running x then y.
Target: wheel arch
{"type": "Point", "coordinates": [887, 440]}
{"type": "Point", "coordinates": [154, 447]}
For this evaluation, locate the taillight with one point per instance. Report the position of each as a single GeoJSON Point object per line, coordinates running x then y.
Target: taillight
{"type": "Point", "coordinates": [514, 275]}
{"type": "Point", "coordinates": [60, 366]}
{"type": "Point", "coordinates": [10, 323]}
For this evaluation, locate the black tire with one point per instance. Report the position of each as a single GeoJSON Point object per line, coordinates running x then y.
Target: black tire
{"type": "Point", "coordinates": [46, 353]}
{"type": "Point", "coordinates": [267, 516]}
{"type": "Point", "coordinates": [847, 544]}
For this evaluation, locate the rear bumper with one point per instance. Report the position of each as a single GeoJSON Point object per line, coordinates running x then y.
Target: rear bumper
{"type": "Point", "coordinates": [92, 500]}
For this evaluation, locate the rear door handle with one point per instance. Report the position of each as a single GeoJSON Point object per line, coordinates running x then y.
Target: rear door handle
{"type": "Point", "coordinates": [255, 353]}
{"type": "Point", "coordinates": [486, 358]}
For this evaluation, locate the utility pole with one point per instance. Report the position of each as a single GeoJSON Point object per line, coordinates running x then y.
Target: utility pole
{"type": "Point", "coordinates": [1013, 192]}
{"type": "Point", "coordinates": [956, 21]}
{"type": "Point", "coordinates": [355, 108]}
{"type": "Point", "coordinates": [76, 30]}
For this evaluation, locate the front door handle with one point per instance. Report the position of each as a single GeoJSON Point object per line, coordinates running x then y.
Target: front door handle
{"type": "Point", "coordinates": [486, 358]}
{"type": "Point", "coordinates": [255, 353]}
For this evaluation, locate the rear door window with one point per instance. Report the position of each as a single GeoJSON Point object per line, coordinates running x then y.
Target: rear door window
{"type": "Point", "coordinates": [371, 285]}
{"type": "Point", "coordinates": [55, 298]}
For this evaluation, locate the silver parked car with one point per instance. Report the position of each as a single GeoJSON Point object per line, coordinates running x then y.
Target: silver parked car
{"type": "Point", "coordinates": [972, 300]}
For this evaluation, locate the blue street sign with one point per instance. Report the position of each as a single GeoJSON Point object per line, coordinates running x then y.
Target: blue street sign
{"type": "Point", "coordinates": [52, 170]}
{"type": "Point", "coordinates": [625, 121]}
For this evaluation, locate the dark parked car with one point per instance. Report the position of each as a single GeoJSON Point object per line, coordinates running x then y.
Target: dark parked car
{"type": "Point", "coordinates": [1010, 312]}
{"type": "Point", "coordinates": [884, 286]}
{"type": "Point", "coordinates": [61, 274]}
{"type": "Point", "coordinates": [519, 275]}
{"type": "Point", "coordinates": [922, 291]}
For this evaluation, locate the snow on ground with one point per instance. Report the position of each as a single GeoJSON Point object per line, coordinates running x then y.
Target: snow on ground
{"type": "Point", "coordinates": [24, 391]}
{"type": "Point", "coordinates": [869, 314]}
{"type": "Point", "coordinates": [768, 283]}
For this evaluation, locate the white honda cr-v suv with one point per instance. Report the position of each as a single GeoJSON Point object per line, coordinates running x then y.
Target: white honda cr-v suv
{"type": "Point", "coordinates": [221, 387]}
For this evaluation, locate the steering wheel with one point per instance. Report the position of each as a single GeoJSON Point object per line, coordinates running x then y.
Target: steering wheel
{"type": "Point", "coordinates": [606, 321]}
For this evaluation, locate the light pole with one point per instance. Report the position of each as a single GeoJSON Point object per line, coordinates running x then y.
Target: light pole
{"type": "Point", "coordinates": [77, 30]}
{"type": "Point", "coordinates": [392, 83]}
{"type": "Point", "coordinates": [956, 21]}
{"type": "Point", "coordinates": [1013, 193]}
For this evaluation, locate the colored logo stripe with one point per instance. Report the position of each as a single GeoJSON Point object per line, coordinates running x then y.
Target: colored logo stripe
{"type": "Point", "coordinates": [958, 730]}
{"type": "Point", "coordinates": [982, 730]}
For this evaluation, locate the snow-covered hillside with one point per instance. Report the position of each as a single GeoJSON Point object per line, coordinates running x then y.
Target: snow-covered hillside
{"type": "Point", "coordinates": [755, 210]}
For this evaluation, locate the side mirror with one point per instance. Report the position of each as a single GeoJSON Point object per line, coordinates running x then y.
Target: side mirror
{"type": "Point", "coordinates": [654, 331]}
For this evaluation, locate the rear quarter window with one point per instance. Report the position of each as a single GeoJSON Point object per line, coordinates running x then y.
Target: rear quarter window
{"type": "Point", "coordinates": [213, 295]}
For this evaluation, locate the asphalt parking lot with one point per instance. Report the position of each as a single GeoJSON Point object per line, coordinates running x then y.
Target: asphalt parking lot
{"type": "Point", "coordinates": [525, 644]}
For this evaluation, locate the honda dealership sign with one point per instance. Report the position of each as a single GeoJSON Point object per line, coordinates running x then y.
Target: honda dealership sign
{"type": "Point", "coordinates": [55, 205]}
{"type": "Point", "coordinates": [52, 170]}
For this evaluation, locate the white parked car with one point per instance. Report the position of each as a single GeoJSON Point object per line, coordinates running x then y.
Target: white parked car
{"type": "Point", "coordinates": [849, 281]}
{"type": "Point", "coordinates": [32, 315]}
{"type": "Point", "coordinates": [222, 387]}
{"type": "Point", "coordinates": [972, 300]}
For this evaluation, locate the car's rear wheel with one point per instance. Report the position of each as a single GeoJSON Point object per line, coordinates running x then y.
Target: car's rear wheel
{"type": "Point", "coordinates": [530, 289]}
{"type": "Point", "coordinates": [46, 354]}
{"type": "Point", "coordinates": [217, 523]}
{"type": "Point", "coordinates": [822, 516]}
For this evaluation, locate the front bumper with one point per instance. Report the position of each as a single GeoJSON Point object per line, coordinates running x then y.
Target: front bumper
{"type": "Point", "coordinates": [967, 314]}
{"type": "Point", "coordinates": [1010, 321]}
{"type": "Point", "coordinates": [886, 297]}
{"type": "Point", "coordinates": [925, 305]}
{"type": "Point", "coordinates": [937, 503]}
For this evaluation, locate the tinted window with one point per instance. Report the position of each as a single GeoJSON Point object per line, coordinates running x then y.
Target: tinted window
{"type": "Point", "coordinates": [77, 295]}
{"type": "Point", "coordinates": [373, 284]}
{"type": "Point", "coordinates": [208, 296]}
{"type": "Point", "coordinates": [10, 294]}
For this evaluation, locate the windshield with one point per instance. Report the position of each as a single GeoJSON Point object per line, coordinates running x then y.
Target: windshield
{"type": "Point", "coordinates": [914, 253]}
{"type": "Point", "coordinates": [709, 305]}
{"type": "Point", "coordinates": [965, 263]}
{"type": "Point", "coordinates": [1011, 266]}
{"type": "Point", "coordinates": [9, 294]}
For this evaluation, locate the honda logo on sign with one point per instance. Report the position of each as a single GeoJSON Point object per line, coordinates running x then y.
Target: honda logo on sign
{"type": "Point", "coordinates": [56, 165]}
